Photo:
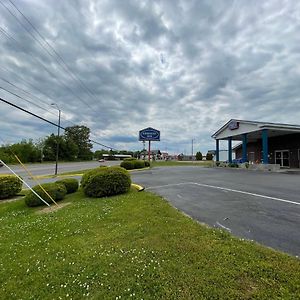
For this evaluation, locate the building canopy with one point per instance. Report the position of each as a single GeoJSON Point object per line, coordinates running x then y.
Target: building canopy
{"type": "Point", "coordinates": [237, 128]}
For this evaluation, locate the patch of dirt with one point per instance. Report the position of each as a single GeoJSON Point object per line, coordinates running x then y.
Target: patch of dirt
{"type": "Point", "coordinates": [14, 198]}
{"type": "Point", "coordinates": [52, 208]}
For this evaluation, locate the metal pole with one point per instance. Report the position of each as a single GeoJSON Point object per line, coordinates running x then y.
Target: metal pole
{"type": "Point", "coordinates": [57, 143]}
{"type": "Point", "coordinates": [149, 149]}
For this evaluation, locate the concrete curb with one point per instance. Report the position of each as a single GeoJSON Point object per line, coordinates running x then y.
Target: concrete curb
{"type": "Point", "coordinates": [138, 187]}
{"type": "Point", "coordinates": [58, 176]}
{"type": "Point", "coordinates": [137, 170]}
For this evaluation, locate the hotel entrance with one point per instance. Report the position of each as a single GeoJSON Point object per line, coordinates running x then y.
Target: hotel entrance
{"type": "Point", "coordinates": [282, 158]}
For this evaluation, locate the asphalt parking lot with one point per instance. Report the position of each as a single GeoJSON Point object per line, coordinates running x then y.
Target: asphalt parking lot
{"type": "Point", "coordinates": [259, 206]}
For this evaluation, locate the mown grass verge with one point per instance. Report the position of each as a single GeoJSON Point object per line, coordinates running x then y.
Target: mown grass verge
{"type": "Point", "coordinates": [132, 246]}
{"type": "Point", "coordinates": [171, 163]}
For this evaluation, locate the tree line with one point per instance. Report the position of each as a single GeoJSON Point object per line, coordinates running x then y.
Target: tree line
{"type": "Point", "coordinates": [74, 145]}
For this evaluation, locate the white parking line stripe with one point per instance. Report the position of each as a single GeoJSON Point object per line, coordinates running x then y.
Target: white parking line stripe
{"type": "Point", "coordinates": [229, 190]}
{"type": "Point", "coordinates": [222, 226]}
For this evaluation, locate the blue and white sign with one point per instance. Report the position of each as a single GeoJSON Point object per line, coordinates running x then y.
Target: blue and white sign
{"type": "Point", "coordinates": [234, 125]}
{"type": "Point", "coordinates": [149, 134]}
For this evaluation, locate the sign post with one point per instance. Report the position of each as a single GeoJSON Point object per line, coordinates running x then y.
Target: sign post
{"type": "Point", "coordinates": [149, 150]}
{"type": "Point", "coordinates": [149, 134]}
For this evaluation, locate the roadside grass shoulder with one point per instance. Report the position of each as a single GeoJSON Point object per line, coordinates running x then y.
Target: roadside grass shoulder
{"type": "Point", "coordinates": [134, 245]}
{"type": "Point", "coordinates": [171, 163]}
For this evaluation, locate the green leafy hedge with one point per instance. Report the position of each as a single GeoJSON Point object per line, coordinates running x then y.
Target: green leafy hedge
{"type": "Point", "coordinates": [71, 184]}
{"type": "Point", "coordinates": [10, 185]}
{"type": "Point", "coordinates": [103, 182]}
{"type": "Point", "coordinates": [139, 164]}
{"type": "Point", "coordinates": [130, 164]}
{"type": "Point", "coordinates": [56, 190]}
{"type": "Point", "coordinates": [127, 164]}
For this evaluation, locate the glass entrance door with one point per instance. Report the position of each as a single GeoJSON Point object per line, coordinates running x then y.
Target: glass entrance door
{"type": "Point", "coordinates": [282, 158]}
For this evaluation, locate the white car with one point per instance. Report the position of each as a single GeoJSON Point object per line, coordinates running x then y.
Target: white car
{"type": "Point", "coordinates": [101, 160]}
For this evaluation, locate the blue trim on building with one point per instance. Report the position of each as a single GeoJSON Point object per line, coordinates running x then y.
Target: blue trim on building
{"type": "Point", "coordinates": [230, 149]}
{"type": "Point", "coordinates": [244, 147]}
{"type": "Point", "coordinates": [217, 150]}
{"type": "Point", "coordinates": [265, 146]}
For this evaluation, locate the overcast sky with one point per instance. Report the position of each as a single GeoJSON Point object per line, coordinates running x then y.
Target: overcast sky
{"type": "Point", "coordinates": [182, 67]}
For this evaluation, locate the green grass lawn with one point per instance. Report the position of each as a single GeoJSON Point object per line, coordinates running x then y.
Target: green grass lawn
{"type": "Point", "coordinates": [171, 163]}
{"type": "Point", "coordinates": [133, 246]}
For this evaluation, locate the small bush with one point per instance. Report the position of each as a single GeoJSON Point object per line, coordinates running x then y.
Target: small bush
{"type": "Point", "coordinates": [71, 184]}
{"type": "Point", "coordinates": [56, 190]}
{"type": "Point", "coordinates": [147, 163]}
{"type": "Point", "coordinates": [209, 156]}
{"type": "Point", "coordinates": [139, 164]}
{"type": "Point", "coordinates": [233, 165]}
{"type": "Point", "coordinates": [10, 185]}
{"type": "Point", "coordinates": [107, 182]}
{"type": "Point", "coordinates": [127, 164]}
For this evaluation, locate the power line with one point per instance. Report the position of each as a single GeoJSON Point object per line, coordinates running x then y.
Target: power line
{"type": "Point", "coordinates": [20, 97]}
{"type": "Point", "coordinates": [24, 91]}
{"type": "Point", "coordinates": [58, 57]}
{"type": "Point", "coordinates": [29, 93]}
{"type": "Point", "coordinates": [26, 81]}
{"type": "Point", "coordinates": [48, 121]}
{"type": "Point", "coordinates": [8, 36]}
{"type": "Point", "coordinates": [57, 54]}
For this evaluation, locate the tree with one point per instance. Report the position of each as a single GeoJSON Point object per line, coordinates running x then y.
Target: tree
{"type": "Point", "coordinates": [49, 149]}
{"type": "Point", "coordinates": [68, 150]}
{"type": "Point", "coordinates": [80, 135]}
{"type": "Point", "coordinates": [198, 155]}
{"type": "Point", "coordinates": [26, 151]}
{"type": "Point", "coordinates": [209, 156]}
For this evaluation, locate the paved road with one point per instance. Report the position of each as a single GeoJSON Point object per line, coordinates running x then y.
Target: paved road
{"type": "Point", "coordinates": [49, 168]}
{"type": "Point", "coordinates": [264, 207]}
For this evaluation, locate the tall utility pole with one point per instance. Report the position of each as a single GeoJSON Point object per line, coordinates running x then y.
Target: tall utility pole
{"type": "Point", "coordinates": [192, 148]}
{"type": "Point", "coordinates": [57, 142]}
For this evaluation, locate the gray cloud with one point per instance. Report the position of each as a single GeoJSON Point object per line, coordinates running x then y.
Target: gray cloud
{"type": "Point", "coordinates": [184, 67]}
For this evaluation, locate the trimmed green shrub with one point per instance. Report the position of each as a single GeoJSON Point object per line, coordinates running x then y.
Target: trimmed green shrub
{"type": "Point", "coordinates": [127, 164]}
{"type": "Point", "coordinates": [71, 184]}
{"type": "Point", "coordinates": [56, 190]}
{"type": "Point", "coordinates": [233, 165]}
{"type": "Point", "coordinates": [86, 176]}
{"type": "Point", "coordinates": [107, 182]}
{"type": "Point", "coordinates": [10, 185]}
{"type": "Point", "coordinates": [139, 164]}
{"type": "Point", "coordinates": [147, 163]}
